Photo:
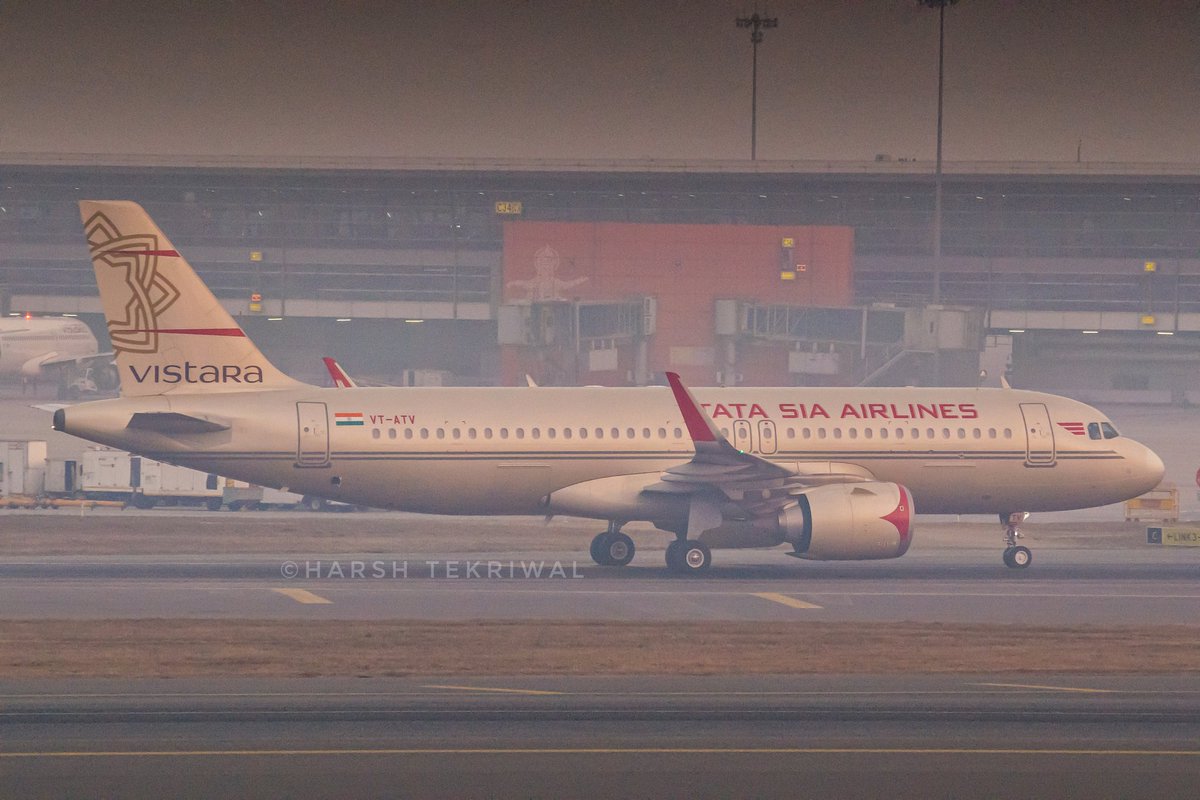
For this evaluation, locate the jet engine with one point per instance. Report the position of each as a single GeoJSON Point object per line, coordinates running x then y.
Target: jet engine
{"type": "Point", "coordinates": [850, 521]}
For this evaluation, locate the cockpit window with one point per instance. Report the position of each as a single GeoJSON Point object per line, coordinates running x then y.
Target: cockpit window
{"type": "Point", "coordinates": [1109, 431]}
{"type": "Point", "coordinates": [1094, 430]}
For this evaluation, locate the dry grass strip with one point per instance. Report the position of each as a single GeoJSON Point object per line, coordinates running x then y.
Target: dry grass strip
{"type": "Point", "coordinates": [209, 647]}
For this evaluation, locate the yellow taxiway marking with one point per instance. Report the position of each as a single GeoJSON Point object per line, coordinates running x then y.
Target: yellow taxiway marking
{"type": "Point", "coordinates": [488, 689]}
{"type": "Point", "coordinates": [454, 751]}
{"type": "Point", "coordinates": [1048, 688]}
{"type": "Point", "coordinates": [303, 596]}
{"type": "Point", "coordinates": [783, 599]}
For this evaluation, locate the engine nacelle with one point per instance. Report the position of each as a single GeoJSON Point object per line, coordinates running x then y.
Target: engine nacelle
{"type": "Point", "coordinates": [850, 521]}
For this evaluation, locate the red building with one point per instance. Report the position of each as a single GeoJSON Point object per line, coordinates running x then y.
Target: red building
{"type": "Point", "coordinates": [577, 288]}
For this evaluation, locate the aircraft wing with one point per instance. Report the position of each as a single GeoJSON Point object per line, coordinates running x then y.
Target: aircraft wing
{"type": "Point", "coordinates": [54, 359]}
{"type": "Point", "coordinates": [752, 482]}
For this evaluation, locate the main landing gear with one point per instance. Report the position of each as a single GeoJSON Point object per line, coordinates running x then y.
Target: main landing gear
{"type": "Point", "coordinates": [612, 548]}
{"type": "Point", "coordinates": [1015, 555]}
{"type": "Point", "coordinates": [688, 556]}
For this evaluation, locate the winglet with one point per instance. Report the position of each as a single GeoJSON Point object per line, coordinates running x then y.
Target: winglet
{"type": "Point", "coordinates": [338, 375]}
{"type": "Point", "coordinates": [700, 426]}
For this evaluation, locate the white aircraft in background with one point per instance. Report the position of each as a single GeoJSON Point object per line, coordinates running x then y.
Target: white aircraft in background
{"type": "Point", "coordinates": [834, 473]}
{"type": "Point", "coordinates": [41, 348]}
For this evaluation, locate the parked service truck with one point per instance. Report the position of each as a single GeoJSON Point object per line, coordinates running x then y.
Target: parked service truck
{"type": "Point", "coordinates": [104, 474]}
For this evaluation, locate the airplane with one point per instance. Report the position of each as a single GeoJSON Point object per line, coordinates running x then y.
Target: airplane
{"type": "Point", "coordinates": [833, 473]}
{"type": "Point", "coordinates": [45, 347]}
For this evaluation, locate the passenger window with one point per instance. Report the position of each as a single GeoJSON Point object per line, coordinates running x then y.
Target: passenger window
{"type": "Point", "coordinates": [899, 433]}
{"type": "Point", "coordinates": [616, 433]}
{"type": "Point", "coordinates": [962, 433]}
{"type": "Point", "coordinates": [916, 433]}
{"type": "Point", "coordinates": [662, 433]}
{"type": "Point", "coordinates": [630, 433]}
{"type": "Point", "coordinates": [520, 433]}
{"type": "Point", "coordinates": [1008, 433]}
{"type": "Point", "coordinates": [504, 433]}
{"type": "Point", "coordinates": [470, 433]}
{"type": "Point", "coordinates": [883, 433]}
{"type": "Point", "coordinates": [645, 433]}
{"type": "Point", "coordinates": [820, 433]}
{"type": "Point", "coordinates": [929, 433]}
{"type": "Point", "coordinates": [487, 433]}
{"type": "Point", "coordinates": [424, 433]}
{"type": "Point", "coordinates": [456, 433]}
{"type": "Point", "coordinates": [791, 433]}
{"type": "Point", "coordinates": [551, 433]}
{"type": "Point", "coordinates": [678, 433]}
{"type": "Point", "coordinates": [991, 433]}
{"type": "Point", "coordinates": [1094, 430]}
{"type": "Point", "coordinates": [375, 433]}
{"type": "Point", "coordinates": [535, 433]}
{"type": "Point", "coordinates": [567, 433]}
{"type": "Point", "coordinates": [441, 433]}
{"type": "Point", "coordinates": [853, 433]}
{"type": "Point", "coordinates": [837, 433]}
{"type": "Point", "coordinates": [408, 434]}
{"type": "Point", "coordinates": [867, 433]}
{"type": "Point", "coordinates": [808, 433]}
{"type": "Point", "coordinates": [945, 433]}
{"type": "Point", "coordinates": [391, 433]}
{"type": "Point", "coordinates": [599, 433]}
{"type": "Point", "coordinates": [583, 433]}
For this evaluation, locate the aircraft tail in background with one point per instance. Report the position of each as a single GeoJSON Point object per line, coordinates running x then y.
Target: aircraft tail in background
{"type": "Point", "coordinates": [169, 333]}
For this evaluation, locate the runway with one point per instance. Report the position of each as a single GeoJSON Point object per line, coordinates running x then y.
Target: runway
{"type": "Point", "coordinates": [893, 734]}
{"type": "Point", "coordinates": [1094, 586]}
{"type": "Point", "coordinates": [766, 736]}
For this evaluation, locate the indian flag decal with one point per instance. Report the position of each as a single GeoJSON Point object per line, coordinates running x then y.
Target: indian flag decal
{"type": "Point", "coordinates": [341, 418]}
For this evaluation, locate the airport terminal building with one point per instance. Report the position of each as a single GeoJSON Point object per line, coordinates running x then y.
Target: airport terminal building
{"type": "Point", "coordinates": [1078, 278]}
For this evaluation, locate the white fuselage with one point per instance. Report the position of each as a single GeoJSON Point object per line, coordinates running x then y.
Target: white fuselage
{"type": "Point", "coordinates": [504, 450]}
{"type": "Point", "coordinates": [28, 347]}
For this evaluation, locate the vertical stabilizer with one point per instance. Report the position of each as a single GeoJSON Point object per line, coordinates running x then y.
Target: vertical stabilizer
{"type": "Point", "coordinates": [169, 333]}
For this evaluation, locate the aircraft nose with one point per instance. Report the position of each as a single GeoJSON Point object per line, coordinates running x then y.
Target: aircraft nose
{"type": "Point", "coordinates": [1152, 468]}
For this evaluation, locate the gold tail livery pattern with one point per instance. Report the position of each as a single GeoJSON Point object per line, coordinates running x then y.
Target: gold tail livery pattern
{"type": "Point", "coordinates": [169, 333]}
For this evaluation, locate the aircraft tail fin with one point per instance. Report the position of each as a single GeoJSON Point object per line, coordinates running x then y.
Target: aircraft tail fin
{"type": "Point", "coordinates": [169, 333]}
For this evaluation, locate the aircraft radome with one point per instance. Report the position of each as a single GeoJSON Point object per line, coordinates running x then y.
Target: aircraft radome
{"type": "Point", "coordinates": [832, 473]}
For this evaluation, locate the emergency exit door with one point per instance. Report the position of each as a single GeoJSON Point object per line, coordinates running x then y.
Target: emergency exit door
{"type": "Point", "coordinates": [1039, 435]}
{"type": "Point", "coordinates": [312, 435]}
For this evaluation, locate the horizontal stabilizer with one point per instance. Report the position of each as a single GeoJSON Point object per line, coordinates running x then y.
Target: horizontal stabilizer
{"type": "Point", "coordinates": [174, 422]}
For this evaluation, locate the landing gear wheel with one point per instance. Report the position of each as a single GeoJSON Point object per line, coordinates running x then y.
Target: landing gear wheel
{"type": "Point", "coordinates": [1018, 557]}
{"type": "Point", "coordinates": [674, 555]}
{"type": "Point", "coordinates": [596, 550]}
{"type": "Point", "coordinates": [1015, 556]}
{"type": "Point", "coordinates": [689, 557]}
{"type": "Point", "coordinates": [618, 550]}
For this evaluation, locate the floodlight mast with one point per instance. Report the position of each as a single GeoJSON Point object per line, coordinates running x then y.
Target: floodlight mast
{"type": "Point", "coordinates": [756, 23]}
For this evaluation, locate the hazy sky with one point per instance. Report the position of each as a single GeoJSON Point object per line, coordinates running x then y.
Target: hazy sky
{"type": "Point", "coordinates": [1025, 79]}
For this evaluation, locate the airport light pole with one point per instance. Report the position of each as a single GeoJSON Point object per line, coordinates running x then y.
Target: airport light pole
{"type": "Point", "coordinates": [940, 5]}
{"type": "Point", "coordinates": [756, 23]}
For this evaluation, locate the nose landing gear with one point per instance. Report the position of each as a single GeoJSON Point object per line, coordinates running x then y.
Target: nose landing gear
{"type": "Point", "coordinates": [1015, 555]}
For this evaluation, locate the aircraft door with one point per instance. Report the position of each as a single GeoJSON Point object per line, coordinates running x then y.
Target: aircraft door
{"type": "Point", "coordinates": [1039, 435]}
{"type": "Point", "coordinates": [766, 437]}
{"type": "Point", "coordinates": [743, 435]}
{"type": "Point", "coordinates": [312, 430]}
